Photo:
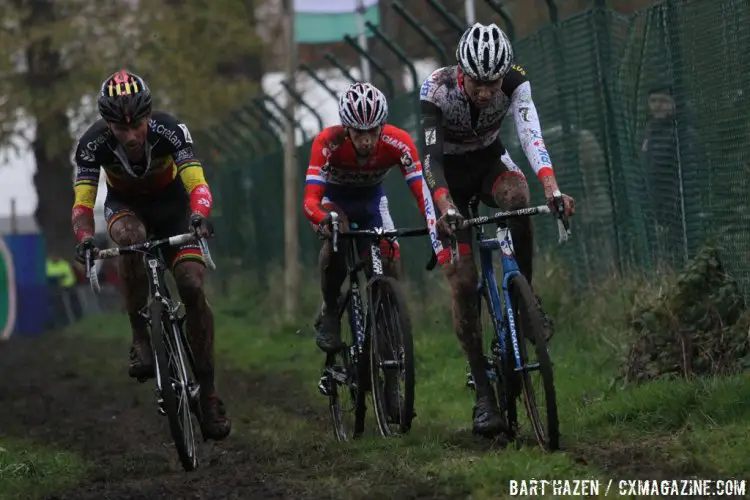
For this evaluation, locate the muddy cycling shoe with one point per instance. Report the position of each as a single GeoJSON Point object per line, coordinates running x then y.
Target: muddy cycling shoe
{"type": "Point", "coordinates": [215, 424]}
{"type": "Point", "coordinates": [141, 361]}
{"type": "Point", "coordinates": [328, 336]}
{"type": "Point", "coordinates": [549, 325]}
{"type": "Point", "coordinates": [487, 418]}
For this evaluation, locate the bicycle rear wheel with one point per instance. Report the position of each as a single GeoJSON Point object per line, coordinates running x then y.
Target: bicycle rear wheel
{"type": "Point", "coordinates": [530, 325]}
{"type": "Point", "coordinates": [172, 371]}
{"type": "Point", "coordinates": [345, 375]}
{"type": "Point", "coordinates": [391, 357]}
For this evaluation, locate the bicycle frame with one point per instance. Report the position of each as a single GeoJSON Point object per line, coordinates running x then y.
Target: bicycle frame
{"type": "Point", "coordinates": [355, 265]}
{"type": "Point", "coordinates": [487, 246]}
{"type": "Point", "coordinates": [503, 316]}
{"type": "Point", "coordinates": [155, 267]}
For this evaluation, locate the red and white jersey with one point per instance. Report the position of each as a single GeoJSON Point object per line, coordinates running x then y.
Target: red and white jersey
{"type": "Point", "coordinates": [333, 161]}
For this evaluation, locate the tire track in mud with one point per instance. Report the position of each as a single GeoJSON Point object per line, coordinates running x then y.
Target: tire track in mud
{"type": "Point", "coordinates": [49, 395]}
{"type": "Point", "coordinates": [74, 393]}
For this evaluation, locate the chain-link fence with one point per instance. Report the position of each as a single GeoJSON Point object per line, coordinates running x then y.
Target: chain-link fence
{"type": "Point", "coordinates": [645, 120]}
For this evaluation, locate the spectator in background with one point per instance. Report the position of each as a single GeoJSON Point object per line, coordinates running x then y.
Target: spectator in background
{"type": "Point", "coordinates": [673, 161]}
{"type": "Point", "coordinates": [61, 280]}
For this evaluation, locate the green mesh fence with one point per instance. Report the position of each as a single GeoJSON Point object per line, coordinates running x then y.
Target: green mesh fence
{"type": "Point", "coordinates": [650, 187]}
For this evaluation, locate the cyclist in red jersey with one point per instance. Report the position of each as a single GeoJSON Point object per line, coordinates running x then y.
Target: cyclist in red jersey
{"type": "Point", "coordinates": [347, 167]}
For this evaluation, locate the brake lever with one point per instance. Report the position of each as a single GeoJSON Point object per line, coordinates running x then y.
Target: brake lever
{"type": "Point", "coordinates": [91, 271]}
{"type": "Point", "coordinates": [335, 231]}
{"type": "Point", "coordinates": [454, 239]}
{"type": "Point", "coordinates": [563, 224]}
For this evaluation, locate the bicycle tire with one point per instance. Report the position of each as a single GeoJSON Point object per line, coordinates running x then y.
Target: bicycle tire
{"type": "Point", "coordinates": [506, 383]}
{"type": "Point", "coordinates": [388, 309]}
{"type": "Point", "coordinates": [351, 389]}
{"type": "Point", "coordinates": [531, 326]}
{"type": "Point", "coordinates": [179, 415]}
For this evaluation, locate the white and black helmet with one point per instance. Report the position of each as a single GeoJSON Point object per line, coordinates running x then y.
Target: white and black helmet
{"type": "Point", "coordinates": [362, 106]}
{"type": "Point", "coordinates": [484, 52]}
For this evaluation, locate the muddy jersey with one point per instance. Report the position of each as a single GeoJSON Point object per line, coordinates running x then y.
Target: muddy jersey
{"type": "Point", "coordinates": [336, 168]}
{"type": "Point", "coordinates": [453, 126]}
{"type": "Point", "coordinates": [168, 154]}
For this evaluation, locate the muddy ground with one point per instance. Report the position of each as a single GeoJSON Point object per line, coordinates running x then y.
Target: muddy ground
{"type": "Point", "coordinates": [49, 395]}
{"type": "Point", "coordinates": [79, 398]}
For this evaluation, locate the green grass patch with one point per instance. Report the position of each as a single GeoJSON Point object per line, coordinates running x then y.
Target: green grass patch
{"type": "Point", "coordinates": [29, 470]}
{"type": "Point", "coordinates": [664, 429]}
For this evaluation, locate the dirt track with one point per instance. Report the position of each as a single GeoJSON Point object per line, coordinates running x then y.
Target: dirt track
{"type": "Point", "coordinates": [80, 398]}
{"type": "Point", "coordinates": [51, 394]}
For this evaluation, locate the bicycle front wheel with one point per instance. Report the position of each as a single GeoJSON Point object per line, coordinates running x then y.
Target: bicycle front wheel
{"type": "Point", "coordinates": [530, 326]}
{"type": "Point", "coordinates": [172, 372]}
{"type": "Point", "coordinates": [391, 357]}
{"type": "Point", "coordinates": [345, 374]}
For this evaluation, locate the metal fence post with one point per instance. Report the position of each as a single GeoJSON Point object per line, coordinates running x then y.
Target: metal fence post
{"type": "Point", "coordinates": [307, 69]}
{"type": "Point", "coordinates": [286, 116]}
{"type": "Point", "coordinates": [393, 47]}
{"type": "Point", "coordinates": [553, 13]}
{"type": "Point", "coordinates": [510, 28]}
{"type": "Point", "coordinates": [237, 117]}
{"type": "Point", "coordinates": [263, 112]}
{"type": "Point", "coordinates": [336, 64]}
{"type": "Point", "coordinates": [297, 97]}
{"type": "Point", "coordinates": [391, 90]}
{"type": "Point", "coordinates": [426, 34]}
{"type": "Point", "coordinates": [449, 18]}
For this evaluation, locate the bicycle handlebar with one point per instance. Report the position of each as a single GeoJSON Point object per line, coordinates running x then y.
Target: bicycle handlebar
{"type": "Point", "coordinates": [563, 224]}
{"type": "Point", "coordinates": [377, 232]}
{"type": "Point", "coordinates": [172, 241]}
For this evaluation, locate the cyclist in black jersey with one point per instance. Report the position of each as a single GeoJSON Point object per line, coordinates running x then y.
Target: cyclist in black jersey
{"type": "Point", "coordinates": [155, 184]}
{"type": "Point", "coordinates": [462, 109]}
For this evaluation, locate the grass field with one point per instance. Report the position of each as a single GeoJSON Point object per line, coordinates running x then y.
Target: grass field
{"type": "Point", "coordinates": [662, 430]}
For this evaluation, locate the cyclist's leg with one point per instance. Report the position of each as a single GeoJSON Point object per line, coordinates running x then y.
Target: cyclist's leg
{"type": "Point", "coordinates": [170, 215]}
{"type": "Point", "coordinates": [506, 187]}
{"type": "Point", "coordinates": [126, 227]}
{"type": "Point", "coordinates": [332, 267]}
{"type": "Point", "coordinates": [463, 176]}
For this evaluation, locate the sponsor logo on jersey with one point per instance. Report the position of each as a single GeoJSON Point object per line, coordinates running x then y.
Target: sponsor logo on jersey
{"type": "Point", "coordinates": [396, 144]}
{"type": "Point", "coordinates": [168, 133]}
{"type": "Point", "coordinates": [186, 133]}
{"type": "Point", "coordinates": [430, 136]}
{"type": "Point", "coordinates": [92, 146]}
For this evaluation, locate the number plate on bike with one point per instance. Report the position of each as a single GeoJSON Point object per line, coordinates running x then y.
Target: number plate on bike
{"type": "Point", "coordinates": [506, 242]}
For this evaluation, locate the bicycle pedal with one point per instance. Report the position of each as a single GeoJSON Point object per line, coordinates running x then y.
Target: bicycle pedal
{"type": "Point", "coordinates": [470, 381]}
{"type": "Point", "coordinates": [324, 386]}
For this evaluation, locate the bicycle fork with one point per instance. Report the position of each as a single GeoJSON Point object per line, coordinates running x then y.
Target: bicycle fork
{"type": "Point", "coordinates": [335, 373]}
{"type": "Point", "coordinates": [495, 353]}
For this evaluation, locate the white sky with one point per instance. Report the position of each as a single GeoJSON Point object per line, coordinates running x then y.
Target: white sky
{"type": "Point", "coordinates": [17, 173]}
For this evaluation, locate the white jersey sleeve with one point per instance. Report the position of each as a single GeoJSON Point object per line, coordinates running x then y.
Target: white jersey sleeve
{"type": "Point", "coordinates": [530, 131]}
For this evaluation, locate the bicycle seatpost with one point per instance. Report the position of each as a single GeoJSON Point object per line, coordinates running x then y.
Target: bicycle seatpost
{"type": "Point", "coordinates": [335, 231]}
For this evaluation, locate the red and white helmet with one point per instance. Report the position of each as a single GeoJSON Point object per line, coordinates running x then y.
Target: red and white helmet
{"type": "Point", "coordinates": [362, 106]}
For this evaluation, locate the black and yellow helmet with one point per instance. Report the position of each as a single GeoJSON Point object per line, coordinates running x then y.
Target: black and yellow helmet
{"type": "Point", "coordinates": [124, 98]}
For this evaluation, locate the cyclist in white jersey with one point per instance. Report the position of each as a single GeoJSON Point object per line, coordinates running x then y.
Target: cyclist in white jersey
{"type": "Point", "coordinates": [462, 109]}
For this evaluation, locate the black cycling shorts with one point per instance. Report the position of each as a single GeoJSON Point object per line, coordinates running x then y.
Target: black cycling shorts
{"type": "Point", "coordinates": [470, 175]}
{"type": "Point", "coordinates": [165, 213]}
